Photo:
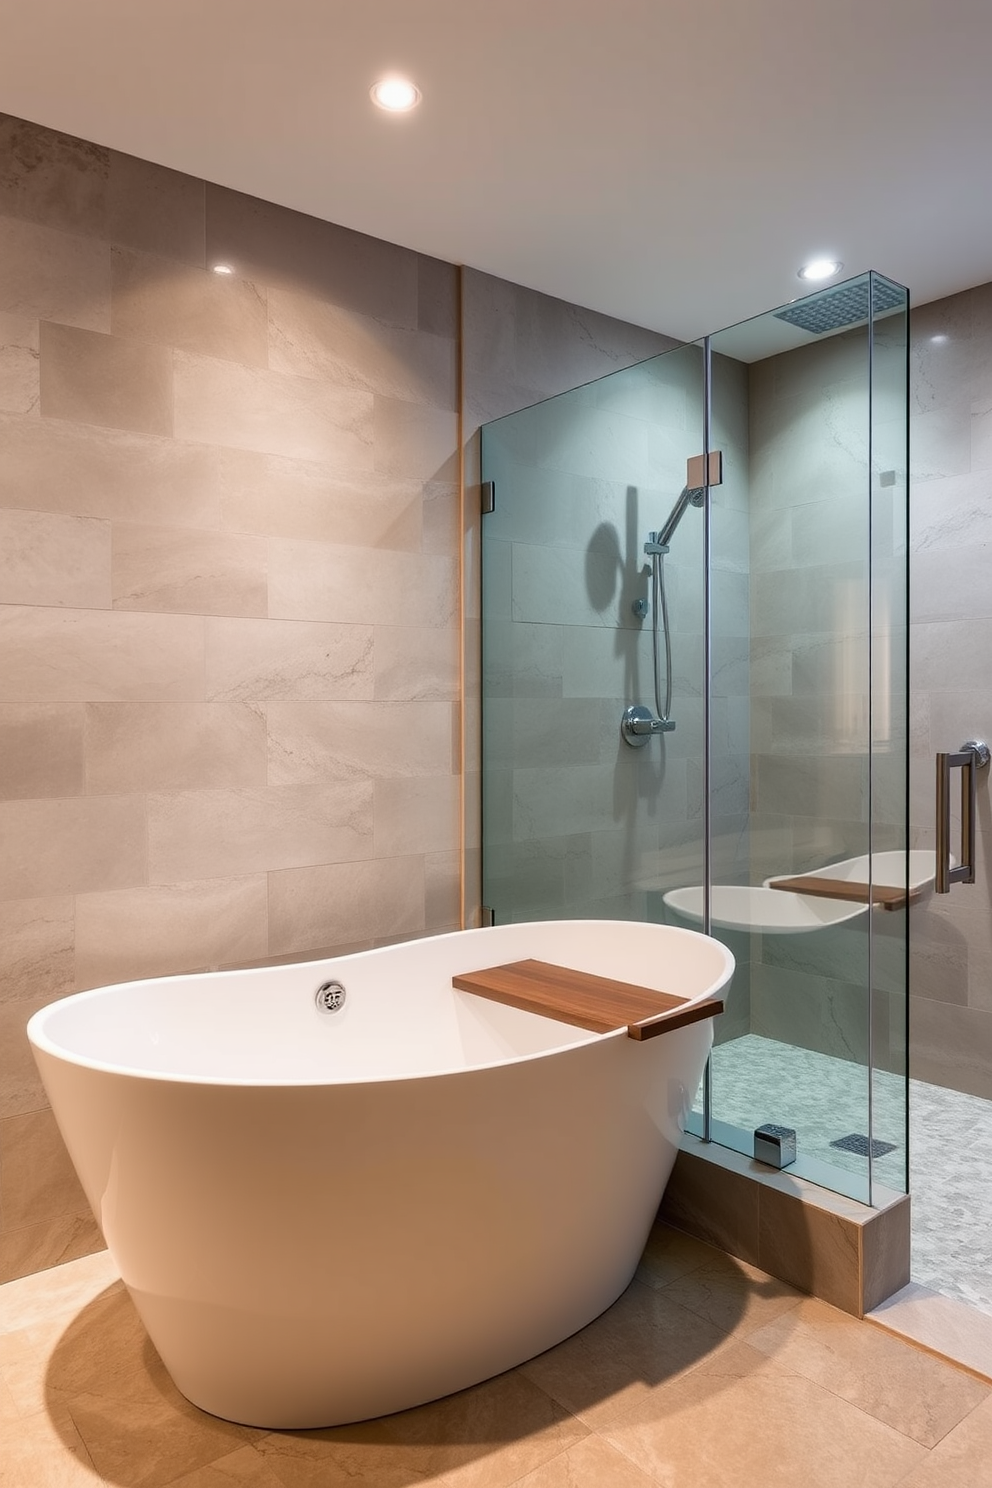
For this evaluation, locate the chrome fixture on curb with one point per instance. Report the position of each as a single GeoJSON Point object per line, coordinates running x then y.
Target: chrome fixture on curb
{"type": "Point", "coordinates": [970, 758]}
{"type": "Point", "coordinates": [330, 997]}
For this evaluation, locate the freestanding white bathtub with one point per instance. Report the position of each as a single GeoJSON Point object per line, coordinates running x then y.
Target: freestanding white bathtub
{"type": "Point", "coordinates": [323, 1217]}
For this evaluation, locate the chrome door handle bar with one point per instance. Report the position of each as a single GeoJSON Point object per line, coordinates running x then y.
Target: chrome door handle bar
{"type": "Point", "coordinates": [970, 758]}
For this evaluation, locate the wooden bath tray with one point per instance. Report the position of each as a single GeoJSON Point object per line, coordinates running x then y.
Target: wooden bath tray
{"type": "Point", "coordinates": [598, 1003]}
{"type": "Point", "coordinates": [842, 888]}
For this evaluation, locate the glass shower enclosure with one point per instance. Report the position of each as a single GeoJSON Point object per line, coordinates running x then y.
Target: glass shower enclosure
{"type": "Point", "coordinates": [695, 696]}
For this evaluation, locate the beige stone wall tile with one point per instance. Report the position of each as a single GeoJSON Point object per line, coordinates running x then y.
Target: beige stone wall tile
{"type": "Point", "coordinates": [92, 378]}
{"type": "Point", "coordinates": [38, 1183]}
{"type": "Point", "coordinates": [173, 746]}
{"type": "Point", "coordinates": [52, 178]}
{"type": "Point", "coordinates": [92, 655]}
{"type": "Point", "coordinates": [54, 276]}
{"type": "Point", "coordinates": [337, 903]}
{"type": "Point", "coordinates": [51, 559]}
{"type": "Point", "coordinates": [322, 581]}
{"type": "Point", "coordinates": [87, 471]}
{"type": "Point", "coordinates": [414, 440]}
{"type": "Point", "coordinates": [70, 846]}
{"type": "Point", "coordinates": [277, 497]}
{"type": "Point", "coordinates": [416, 814]}
{"type": "Point", "coordinates": [19, 357]}
{"type": "Point", "coordinates": [416, 661]}
{"type": "Point", "coordinates": [38, 1247]}
{"type": "Point", "coordinates": [442, 891]}
{"type": "Point", "coordinates": [215, 833]}
{"type": "Point", "coordinates": [437, 296]}
{"type": "Point", "coordinates": [158, 299]}
{"type": "Point", "coordinates": [314, 741]}
{"type": "Point", "coordinates": [169, 928]}
{"type": "Point", "coordinates": [36, 948]}
{"type": "Point", "coordinates": [177, 569]}
{"type": "Point", "coordinates": [248, 408]}
{"type": "Point", "coordinates": [313, 339]}
{"type": "Point", "coordinates": [441, 518]}
{"type": "Point", "coordinates": [306, 255]}
{"type": "Point", "coordinates": [41, 749]}
{"type": "Point", "coordinates": [21, 1089]}
{"type": "Point", "coordinates": [269, 660]}
{"type": "Point", "coordinates": [159, 210]}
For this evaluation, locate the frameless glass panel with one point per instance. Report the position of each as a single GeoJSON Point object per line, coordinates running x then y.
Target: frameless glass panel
{"type": "Point", "coordinates": [577, 819]}
{"type": "Point", "coordinates": [892, 860]}
{"type": "Point", "coordinates": [794, 902]}
{"type": "Point", "coordinates": [632, 771]}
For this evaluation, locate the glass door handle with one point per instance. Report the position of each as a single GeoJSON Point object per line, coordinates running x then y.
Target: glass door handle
{"type": "Point", "coordinates": [969, 759]}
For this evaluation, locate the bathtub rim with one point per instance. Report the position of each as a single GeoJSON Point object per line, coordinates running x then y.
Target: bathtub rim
{"type": "Point", "coordinates": [41, 1042]}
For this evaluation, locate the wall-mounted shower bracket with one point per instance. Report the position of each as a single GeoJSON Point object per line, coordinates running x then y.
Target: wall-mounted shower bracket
{"type": "Point", "coordinates": [639, 724]}
{"type": "Point", "coordinates": [704, 470]}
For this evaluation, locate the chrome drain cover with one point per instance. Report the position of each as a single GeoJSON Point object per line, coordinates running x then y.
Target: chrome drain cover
{"type": "Point", "coordinates": [330, 997]}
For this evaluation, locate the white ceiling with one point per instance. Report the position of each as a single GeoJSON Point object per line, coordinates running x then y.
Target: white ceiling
{"type": "Point", "coordinates": [671, 162]}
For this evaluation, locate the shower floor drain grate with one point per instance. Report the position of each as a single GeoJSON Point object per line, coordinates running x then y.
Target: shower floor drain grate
{"type": "Point", "coordinates": [860, 1145]}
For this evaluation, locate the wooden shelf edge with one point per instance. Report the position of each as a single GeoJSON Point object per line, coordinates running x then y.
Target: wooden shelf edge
{"type": "Point", "coordinates": [711, 1007]}
{"type": "Point", "coordinates": [851, 891]}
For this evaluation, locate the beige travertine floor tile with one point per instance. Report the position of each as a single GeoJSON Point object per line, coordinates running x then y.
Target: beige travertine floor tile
{"type": "Point", "coordinates": [962, 1459]}
{"type": "Point", "coordinates": [739, 1422]}
{"type": "Point", "coordinates": [41, 1452]}
{"type": "Point", "coordinates": [485, 1437]}
{"type": "Point", "coordinates": [671, 1253]}
{"type": "Point", "coordinates": [56, 1293]}
{"type": "Point", "coordinates": [910, 1390]}
{"type": "Point", "coordinates": [242, 1469]}
{"type": "Point", "coordinates": [732, 1294]}
{"type": "Point", "coordinates": [147, 1443]}
{"type": "Point", "coordinates": [592, 1463]}
{"type": "Point", "coordinates": [640, 1343]}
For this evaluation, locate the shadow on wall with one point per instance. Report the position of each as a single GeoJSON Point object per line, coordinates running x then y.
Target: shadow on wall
{"type": "Point", "coordinates": [108, 1393]}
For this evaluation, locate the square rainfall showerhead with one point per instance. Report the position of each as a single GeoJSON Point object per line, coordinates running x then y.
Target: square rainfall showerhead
{"type": "Point", "coordinates": [844, 305]}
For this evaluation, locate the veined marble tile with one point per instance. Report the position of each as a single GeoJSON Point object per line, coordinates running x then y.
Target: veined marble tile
{"type": "Point", "coordinates": [169, 928]}
{"type": "Point", "coordinates": [50, 559]}
{"type": "Point", "coordinates": [312, 338]}
{"type": "Point", "coordinates": [224, 403]}
{"type": "Point", "coordinates": [218, 833]}
{"type": "Point", "coordinates": [91, 655]}
{"type": "Point", "coordinates": [338, 903]}
{"type": "Point", "coordinates": [20, 390]}
{"type": "Point", "coordinates": [203, 573]}
{"type": "Point", "coordinates": [283, 660]}
{"type": "Point", "coordinates": [54, 276]}
{"type": "Point", "coordinates": [91, 378]}
{"type": "Point", "coordinates": [41, 749]}
{"type": "Point", "coordinates": [175, 304]}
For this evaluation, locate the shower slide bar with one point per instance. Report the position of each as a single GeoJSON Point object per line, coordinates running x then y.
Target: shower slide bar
{"type": "Point", "coordinates": [969, 759]}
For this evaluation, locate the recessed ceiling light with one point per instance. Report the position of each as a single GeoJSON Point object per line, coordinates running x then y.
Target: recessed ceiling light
{"type": "Point", "coordinates": [939, 339]}
{"type": "Point", "coordinates": [223, 269]}
{"type": "Point", "coordinates": [820, 268]}
{"type": "Point", "coordinates": [395, 94]}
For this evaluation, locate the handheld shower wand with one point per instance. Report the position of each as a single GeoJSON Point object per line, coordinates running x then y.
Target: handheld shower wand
{"type": "Point", "coordinates": [638, 724]}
